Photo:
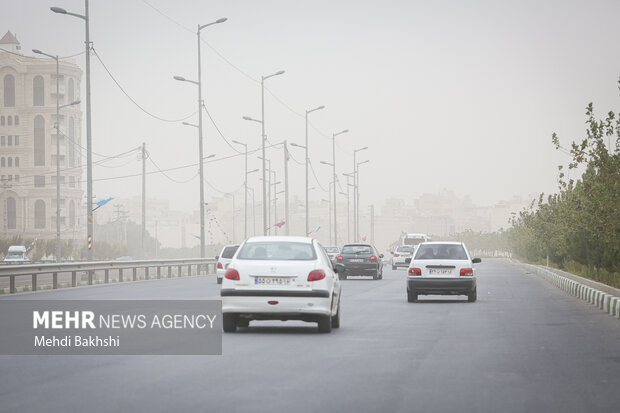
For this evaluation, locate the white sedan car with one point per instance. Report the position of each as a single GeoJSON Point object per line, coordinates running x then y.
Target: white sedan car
{"type": "Point", "coordinates": [443, 268]}
{"type": "Point", "coordinates": [280, 278]}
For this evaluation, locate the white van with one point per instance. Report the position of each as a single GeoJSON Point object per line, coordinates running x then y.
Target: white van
{"type": "Point", "coordinates": [16, 255]}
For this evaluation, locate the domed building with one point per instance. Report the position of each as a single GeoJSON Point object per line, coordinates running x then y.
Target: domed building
{"type": "Point", "coordinates": [28, 139]}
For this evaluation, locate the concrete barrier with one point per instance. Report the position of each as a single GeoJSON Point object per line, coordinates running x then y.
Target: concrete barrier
{"type": "Point", "coordinates": [606, 302]}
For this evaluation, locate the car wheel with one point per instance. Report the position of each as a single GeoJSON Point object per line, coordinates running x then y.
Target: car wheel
{"type": "Point", "coordinates": [393, 267]}
{"type": "Point", "coordinates": [243, 322]}
{"type": "Point", "coordinates": [342, 276]}
{"type": "Point", "coordinates": [336, 318]}
{"type": "Point", "coordinates": [219, 280]}
{"type": "Point", "coordinates": [412, 297]}
{"type": "Point", "coordinates": [325, 324]}
{"type": "Point", "coordinates": [471, 297]}
{"type": "Point", "coordinates": [229, 323]}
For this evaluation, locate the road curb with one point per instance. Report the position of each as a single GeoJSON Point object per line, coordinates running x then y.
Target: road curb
{"type": "Point", "coordinates": [606, 302]}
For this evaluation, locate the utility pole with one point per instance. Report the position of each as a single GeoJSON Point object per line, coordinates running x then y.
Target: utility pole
{"type": "Point", "coordinates": [287, 222]}
{"type": "Point", "coordinates": [143, 195]}
{"type": "Point", "coordinates": [372, 224]}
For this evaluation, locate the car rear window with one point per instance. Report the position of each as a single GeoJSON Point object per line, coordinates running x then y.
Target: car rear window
{"type": "Point", "coordinates": [286, 251]}
{"type": "Point", "coordinates": [441, 252]}
{"type": "Point", "coordinates": [404, 249]}
{"type": "Point", "coordinates": [229, 251]}
{"type": "Point", "coordinates": [357, 249]}
{"type": "Point", "coordinates": [331, 249]}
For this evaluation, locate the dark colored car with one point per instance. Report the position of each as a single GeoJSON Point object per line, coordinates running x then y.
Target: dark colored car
{"type": "Point", "coordinates": [360, 259]}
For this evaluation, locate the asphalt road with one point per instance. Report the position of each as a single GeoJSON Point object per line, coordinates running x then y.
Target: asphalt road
{"type": "Point", "coordinates": [524, 346]}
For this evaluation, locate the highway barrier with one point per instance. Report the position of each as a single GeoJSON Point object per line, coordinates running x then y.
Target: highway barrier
{"type": "Point", "coordinates": [120, 267]}
{"type": "Point", "coordinates": [607, 302]}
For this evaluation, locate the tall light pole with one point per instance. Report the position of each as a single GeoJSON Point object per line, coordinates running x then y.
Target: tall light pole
{"type": "Point", "coordinates": [357, 224]}
{"type": "Point", "coordinates": [245, 185]}
{"type": "Point", "coordinates": [199, 84]}
{"type": "Point", "coordinates": [355, 196]}
{"type": "Point", "coordinates": [264, 138]}
{"type": "Point", "coordinates": [58, 247]}
{"type": "Point", "coordinates": [334, 180]}
{"type": "Point", "coordinates": [348, 175]}
{"type": "Point", "coordinates": [307, 164]}
{"type": "Point", "coordinates": [89, 154]}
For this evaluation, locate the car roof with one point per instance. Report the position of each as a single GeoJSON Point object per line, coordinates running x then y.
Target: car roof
{"type": "Point", "coordinates": [280, 238]}
{"type": "Point", "coordinates": [442, 243]}
{"type": "Point", "coordinates": [357, 244]}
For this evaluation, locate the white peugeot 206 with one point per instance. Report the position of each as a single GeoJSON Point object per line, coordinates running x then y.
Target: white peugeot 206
{"type": "Point", "coordinates": [280, 278]}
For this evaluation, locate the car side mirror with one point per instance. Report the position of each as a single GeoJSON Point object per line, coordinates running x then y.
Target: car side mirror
{"type": "Point", "coordinates": [408, 260]}
{"type": "Point", "coordinates": [217, 257]}
{"type": "Point", "coordinates": [392, 252]}
{"type": "Point", "coordinates": [380, 255]}
{"type": "Point", "coordinates": [476, 260]}
{"type": "Point", "coordinates": [339, 268]}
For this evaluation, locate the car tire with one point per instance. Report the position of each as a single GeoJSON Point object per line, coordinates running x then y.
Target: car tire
{"type": "Point", "coordinates": [243, 322]}
{"type": "Point", "coordinates": [412, 297]}
{"type": "Point", "coordinates": [229, 323]}
{"type": "Point", "coordinates": [336, 318]}
{"type": "Point", "coordinates": [325, 324]}
{"type": "Point", "coordinates": [219, 280]}
{"type": "Point", "coordinates": [342, 276]}
{"type": "Point", "coordinates": [471, 297]}
{"type": "Point", "coordinates": [394, 267]}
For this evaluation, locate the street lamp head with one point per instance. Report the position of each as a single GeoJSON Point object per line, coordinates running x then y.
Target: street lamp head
{"type": "Point", "coordinates": [281, 72]}
{"type": "Point", "coordinates": [222, 20]}
{"type": "Point", "coordinates": [58, 10]}
{"type": "Point", "coordinates": [210, 156]}
{"type": "Point", "coordinates": [326, 163]}
{"type": "Point", "coordinates": [180, 78]}
{"type": "Point", "coordinates": [255, 170]}
{"type": "Point", "coordinates": [37, 51]}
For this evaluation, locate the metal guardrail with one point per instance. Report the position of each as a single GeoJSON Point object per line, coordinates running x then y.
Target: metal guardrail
{"type": "Point", "coordinates": [34, 270]}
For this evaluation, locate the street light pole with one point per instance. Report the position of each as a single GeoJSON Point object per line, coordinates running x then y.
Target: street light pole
{"type": "Point", "coordinates": [57, 124]}
{"type": "Point", "coordinates": [357, 224]}
{"type": "Point", "coordinates": [355, 195]}
{"type": "Point", "coordinates": [200, 138]}
{"type": "Point", "coordinates": [89, 155]}
{"type": "Point", "coordinates": [287, 222]}
{"type": "Point", "coordinates": [307, 164]}
{"type": "Point", "coordinates": [264, 137]}
{"type": "Point", "coordinates": [245, 184]}
{"type": "Point", "coordinates": [334, 180]}
{"type": "Point", "coordinates": [348, 207]}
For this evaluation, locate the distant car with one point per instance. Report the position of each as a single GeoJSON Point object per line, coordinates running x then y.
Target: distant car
{"type": "Point", "coordinates": [223, 260]}
{"type": "Point", "coordinates": [280, 278]}
{"type": "Point", "coordinates": [332, 252]}
{"type": "Point", "coordinates": [443, 268]}
{"type": "Point", "coordinates": [400, 256]}
{"type": "Point", "coordinates": [360, 259]}
{"type": "Point", "coordinates": [17, 255]}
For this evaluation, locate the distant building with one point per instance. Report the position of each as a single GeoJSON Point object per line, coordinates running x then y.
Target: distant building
{"type": "Point", "coordinates": [28, 145]}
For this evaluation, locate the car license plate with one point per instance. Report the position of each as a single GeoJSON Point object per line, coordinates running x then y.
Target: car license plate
{"type": "Point", "coordinates": [272, 281]}
{"type": "Point", "coordinates": [439, 272]}
{"type": "Point", "coordinates": [356, 260]}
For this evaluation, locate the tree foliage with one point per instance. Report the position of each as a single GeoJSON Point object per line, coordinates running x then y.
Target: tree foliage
{"type": "Point", "coordinates": [580, 223]}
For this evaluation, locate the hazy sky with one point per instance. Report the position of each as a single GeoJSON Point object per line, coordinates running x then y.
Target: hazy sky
{"type": "Point", "coordinates": [461, 95]}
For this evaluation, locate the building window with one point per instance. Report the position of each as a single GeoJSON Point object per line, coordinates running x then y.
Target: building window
{"type": "Point", "coordinates": [71, 91]}
{"type": "Point", "coordinates": [16, 120]}
{"type": "Point", "coordinates": [1, 120]}
{"type": "Point", "coordinates": [17, 162]}
{"type": "Point", "coordinates": [71, 214]}
{"type": "Point", "coordinates": [10, 178]}
{"type": "Point", "coordinates": [11, 213]}
{"type": "Point", "coordinates": [16, 178]}
{"type": "Point", "coordinates": [9, 121]}
{"type": "Point", "coordinates": [39, 214]}
{"type": "Point", "coordinates": [16, 140]}
{"type": "Point", "coordinates": [2, 163]}
{"type": "Point", "coordinates": [37, 91]}
{"type": "Point", "coordinates": [72, 181]}
{"type": "Point", "coordinates": [39, 181]}
{"type": "Point", "coordinates": [9, 162]}
{"type": "Point", "coordinates": [9, 91]}
{"type": "Point", "coordinates": [39, 141]}
{"type": "Point", "coordinates": [2, 140]}
{"type": "Point", "coordinates": [10, 140]}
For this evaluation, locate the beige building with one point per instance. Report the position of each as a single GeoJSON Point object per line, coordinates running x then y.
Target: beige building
{"type": "Point", "coordinates": [28, 145]}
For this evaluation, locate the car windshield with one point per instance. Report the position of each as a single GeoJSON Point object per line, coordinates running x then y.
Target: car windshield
{"type": "Point", "coordinates": [441, 252]}
{"type": "Point", "coordinates": [15, 255]}
{"type": "Point", "coordinates": [404, 249]}
{"type": "Point", "coordinates": [357, 249]}
{"type": "Point", "coordinates": [331, 249]}
{"type": "Point", "coordinates": [287, 251]}
{"type": "Point", "coordinates": [229, 251]}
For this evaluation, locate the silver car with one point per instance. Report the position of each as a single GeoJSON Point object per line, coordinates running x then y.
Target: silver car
{"type": "Point", "coordinates": [224, 259]}
{"type": "Point", "coordinates": [400, 256]}
{"type": "Point", "coordinates": [332, 252]}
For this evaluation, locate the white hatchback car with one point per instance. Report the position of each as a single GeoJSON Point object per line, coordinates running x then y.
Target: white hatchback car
{"type": "Point", "coordinates": [280, 278]}
{"type": "Point", "coordinates": [443, 268]}
{"type": "Point", "coordinates": [223, 260]}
